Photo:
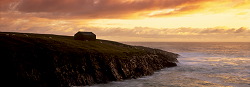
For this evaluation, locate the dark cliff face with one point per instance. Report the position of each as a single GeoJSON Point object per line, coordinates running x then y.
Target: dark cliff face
{"type": "Point", "coordinates": [58, 61]}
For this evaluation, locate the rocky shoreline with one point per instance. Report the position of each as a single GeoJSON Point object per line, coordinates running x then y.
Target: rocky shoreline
{"type": "Point", "coordinates": [59, 61]}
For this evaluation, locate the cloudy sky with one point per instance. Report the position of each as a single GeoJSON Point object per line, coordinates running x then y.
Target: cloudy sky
{"type": "Point", "coordinates": [132, 20]}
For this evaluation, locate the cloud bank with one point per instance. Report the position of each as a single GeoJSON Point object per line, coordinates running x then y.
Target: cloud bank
{"type": "Point", "coordinates": [216, 34]}
{"type": "Point", "coordinates": [116, 8]}
{"type": "Point", "coordinates": [66, 17]}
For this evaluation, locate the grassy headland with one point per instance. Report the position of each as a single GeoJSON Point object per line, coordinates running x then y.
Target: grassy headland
{"type": "Point", "coordinates": [55, 60]}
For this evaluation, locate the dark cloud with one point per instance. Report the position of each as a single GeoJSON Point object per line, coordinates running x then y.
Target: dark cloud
{"type": "Point", "coordinates": [6, 5]}
{"type": "Point", "coordinates": [98, 8]}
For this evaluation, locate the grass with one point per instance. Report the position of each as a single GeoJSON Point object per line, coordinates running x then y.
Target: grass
{"type": "Point", "coordinates": [65, 43]}
{"type": "Point", "coordinates": [46, 59]}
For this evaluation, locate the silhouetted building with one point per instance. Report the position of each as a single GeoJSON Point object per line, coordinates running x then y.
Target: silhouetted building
{"type": "Point", "coordinates": [85, 36]}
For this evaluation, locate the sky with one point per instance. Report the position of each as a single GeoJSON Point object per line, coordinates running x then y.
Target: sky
{"type": "Point", "coordinates": [132, 20]}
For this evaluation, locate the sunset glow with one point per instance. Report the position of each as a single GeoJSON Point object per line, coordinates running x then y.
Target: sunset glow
{"type": "Point", "coordinates": [132, 20]}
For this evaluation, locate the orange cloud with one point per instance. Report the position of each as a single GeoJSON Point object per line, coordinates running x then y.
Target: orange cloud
{"type": "Point", "coordinates": [68, 16]}
{"type": "Point", "coordinates": [102, 8]}
{"type": "Point", "coordinates": [179, 34]}
{"type": "Point", "coordinates": [70, 27]}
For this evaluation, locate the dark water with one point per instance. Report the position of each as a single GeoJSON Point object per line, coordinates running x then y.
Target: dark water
{"type": "Point", "coordinates": [200, 65]}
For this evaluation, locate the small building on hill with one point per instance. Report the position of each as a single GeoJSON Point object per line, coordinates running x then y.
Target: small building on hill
{"type": "Point", "coordinates": [85, 36]}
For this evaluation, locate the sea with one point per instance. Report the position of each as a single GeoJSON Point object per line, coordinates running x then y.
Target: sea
{"type": "Point", "coordinates": [201, 64]}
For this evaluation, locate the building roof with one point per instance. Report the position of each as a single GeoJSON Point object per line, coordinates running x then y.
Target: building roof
{"type": "Point", "coordinates": [86, 33]}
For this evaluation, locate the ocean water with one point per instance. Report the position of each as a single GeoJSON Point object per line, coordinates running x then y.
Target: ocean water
{"type": "Point", "coordinates": [201, 64]}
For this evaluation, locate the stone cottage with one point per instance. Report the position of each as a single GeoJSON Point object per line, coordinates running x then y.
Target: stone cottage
{"type": "Point", "coordinates": [85, 36]}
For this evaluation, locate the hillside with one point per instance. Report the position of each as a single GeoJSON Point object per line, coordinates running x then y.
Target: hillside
{"type": "Point", "coordinates": [54, 60]}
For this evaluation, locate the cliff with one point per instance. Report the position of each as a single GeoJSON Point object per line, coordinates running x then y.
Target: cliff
{"type": "Point", "coordinates": [40, 60]}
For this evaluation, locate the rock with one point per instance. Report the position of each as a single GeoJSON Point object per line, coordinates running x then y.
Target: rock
{"type": "Point", "coordinates": [63, 62]}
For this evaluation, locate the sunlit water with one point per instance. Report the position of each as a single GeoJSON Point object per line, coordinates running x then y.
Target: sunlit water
{"type": "Point", "coordinates": [200, 65]}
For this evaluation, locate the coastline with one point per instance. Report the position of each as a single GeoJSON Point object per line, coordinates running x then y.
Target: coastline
{"type": "Point", "coordinates": [54, 60]}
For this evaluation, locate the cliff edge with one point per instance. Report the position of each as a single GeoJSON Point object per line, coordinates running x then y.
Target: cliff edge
{"type": "Point", "coordinates": [41, 60]}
